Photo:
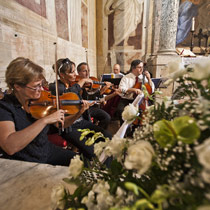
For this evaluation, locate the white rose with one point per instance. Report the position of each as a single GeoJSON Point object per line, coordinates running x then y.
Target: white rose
{"type": "Point", "coordinates": [175, 66]}
{"type": "Point", "coordinates": [130, 112]}
{"type": "Point", "coordinates": [176, 69]}
{"type": "Point", "coordinates": [178, 74]}
{"type": "Point", "coordinates": [99, 147]}
{"type": "Point", "coordinates": [115, 147]}
{"type": "Point", "coordinates": [139, 156]}
{"type": "Point", "coordinates": [120, 197]}
{"type": "Point", "coordinates": [89, 200]}
{"type": "Point", "coordinates": [205, 104]}
{"type": "Point", "coordinates": [100, 186]}
{"type": "Point", "coordinates": [203, 152]}
{"type": "Point", "coordinates": [201, 70]}
{"type": "Point", "coordinates": [57, 197]}
{"type": "Point", "coordinates": [167, 101]}
{"type": "Point", "coordinates": [104, 198]}
{"type": "Point", "coordinates": [168, 82]}
{"type": "Point", "coordinates": [206, 176]}
{"type": "Point", "coordinates": [76, 166]}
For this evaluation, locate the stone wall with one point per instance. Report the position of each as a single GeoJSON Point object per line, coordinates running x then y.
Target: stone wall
{"type": "Point", "coordinates": [30, 29]}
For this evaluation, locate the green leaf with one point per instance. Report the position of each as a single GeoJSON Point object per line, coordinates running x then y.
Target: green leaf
{"type": "Point", "coordinates": [144, 203]}
{"type": "Point", "coordinates": [158, 196]}
{"type": "Point", "coordinates": [164, 133]}
{"type": "Point", "coordinates": [132, 187]}
{"type": "Point", "coordinates": [77, 192]}
{"type": "Point", "coordinates": [187, 129]}
{"type": "Point", "coordinates": [90, 141]}
{"type": "Point", "coordinates": [116, 167]}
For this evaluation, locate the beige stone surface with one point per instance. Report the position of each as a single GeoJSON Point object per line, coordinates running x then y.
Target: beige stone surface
{"type": "Point", "coordinates": [25, 185]}
{"type": "Point", "coordinates": [24, 32]}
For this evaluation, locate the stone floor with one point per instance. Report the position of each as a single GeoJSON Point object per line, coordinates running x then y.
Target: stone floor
{"type": "Point", "coordinates": [26, 185]}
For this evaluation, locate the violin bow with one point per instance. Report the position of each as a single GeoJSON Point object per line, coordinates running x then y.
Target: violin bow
{"type": "Point", "coordinates": [56, 86]}
{"type": "Point", "coordinates": [86, 54]}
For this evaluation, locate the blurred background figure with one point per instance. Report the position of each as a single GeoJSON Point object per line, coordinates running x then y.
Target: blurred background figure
{"type": "Point", "coordinates": [116, 69]}
{"type": "Point", "coordinates": [127, 15]}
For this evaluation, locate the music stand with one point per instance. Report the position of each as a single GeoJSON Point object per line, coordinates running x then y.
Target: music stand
{"type": "Point", "coordinates": [111, 78]}
{"type": "Point", "coordinates": [158, 82]}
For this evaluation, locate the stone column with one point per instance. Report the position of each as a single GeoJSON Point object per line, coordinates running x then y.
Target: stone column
{"type": "Point", "coordinates": [168, 27]}
{"type": "Point", "coordinates": [164, 43]}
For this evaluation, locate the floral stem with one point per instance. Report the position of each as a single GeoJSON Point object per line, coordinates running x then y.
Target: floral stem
{"type": "Point", "coordinates": [144, 193]}
{"type": "Point", "coordinates": [159, 206]}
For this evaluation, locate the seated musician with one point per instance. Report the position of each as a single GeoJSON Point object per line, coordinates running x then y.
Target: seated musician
{"type": "Point", "coordinates": [102, 117]}
{"type": "Point", "coordinates": [127, 85]}
{"type": "Point", "coordinates": [67, 74]}
{"type": "Point", "coordinates": [22, 137]}
{"type": "Point", "coordinates": [116, 69]}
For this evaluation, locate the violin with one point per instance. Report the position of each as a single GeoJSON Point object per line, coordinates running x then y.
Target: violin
{"type": "Point", "coordinates": [46, 104]}
{"type": "Point", "coordinates": [96, 84]}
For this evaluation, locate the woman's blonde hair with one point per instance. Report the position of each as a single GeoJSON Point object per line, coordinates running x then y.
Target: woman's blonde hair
{"type": "Point", "coordinates": [22, 71]}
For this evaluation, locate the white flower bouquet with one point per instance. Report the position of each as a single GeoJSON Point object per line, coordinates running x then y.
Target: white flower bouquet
{"type": "Point", "coordinates": [166, 165]}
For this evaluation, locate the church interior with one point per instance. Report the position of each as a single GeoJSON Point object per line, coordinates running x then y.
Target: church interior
{"type": "Point", "coordinates": [147, 146]}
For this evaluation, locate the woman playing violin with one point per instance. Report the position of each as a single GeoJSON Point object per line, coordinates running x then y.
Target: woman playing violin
{"type": "Point", "coordinates": [67, 74]}
{"type": "Point", "coordinates": [21, 136]}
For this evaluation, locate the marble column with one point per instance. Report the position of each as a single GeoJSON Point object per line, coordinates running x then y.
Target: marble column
{"type": "Point", "coordinates": [164, 43]}
{"type": "Point", "coordinates": [168, 27]}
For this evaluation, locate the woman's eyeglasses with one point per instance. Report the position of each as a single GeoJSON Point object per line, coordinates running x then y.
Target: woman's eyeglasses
{"type": "Point", "coordinates": [38, 87]}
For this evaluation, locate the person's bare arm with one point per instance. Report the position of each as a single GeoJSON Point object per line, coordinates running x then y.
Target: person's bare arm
{"type": "Point", "coordinates": [104, 88]}
{"type": "Point", "coordinates": [147, 74]}
{"type": "Point", "coordinates": [12, 141]}
{"type": "Point", "coordinates": [133, 90]}
{"type": "Point", "coordinates": [116, 92]}
{"type": "Point", "coordinates": [83, 81]}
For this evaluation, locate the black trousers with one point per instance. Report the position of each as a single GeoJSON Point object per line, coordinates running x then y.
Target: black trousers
{"type": "Point", "coordinates": [60, 156]}
{"type": "Point", "coordinates": [120, 108]}
{"type": "Point", "coordinates": [101, 116]}
{"type": "Point", "coordinates": [73, 136]}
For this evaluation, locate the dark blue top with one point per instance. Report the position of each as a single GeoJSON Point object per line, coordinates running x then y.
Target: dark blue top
{"type": "Point", "coordinates": [37, 150]}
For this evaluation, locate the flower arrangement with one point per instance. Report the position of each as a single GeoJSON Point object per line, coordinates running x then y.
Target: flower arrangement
{"type": "Point", "coordinates": [166, 165]}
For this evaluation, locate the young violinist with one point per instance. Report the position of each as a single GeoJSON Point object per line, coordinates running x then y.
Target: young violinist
{"type": "Point", "coordinates": [67, 74]}
{"type": "Point", "coordinates": [128, 82]}
{"type": "Point", "coordinates": [22, 137]}
{"type": "Point", "coordinates": [99, 115]}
